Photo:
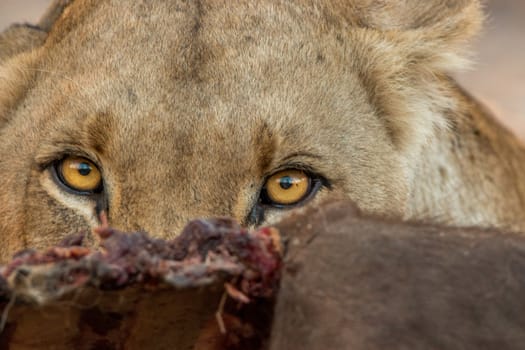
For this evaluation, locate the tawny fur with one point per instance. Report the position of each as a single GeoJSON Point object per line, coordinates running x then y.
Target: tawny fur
{"type": "Point", "coordinates": [188, 105]}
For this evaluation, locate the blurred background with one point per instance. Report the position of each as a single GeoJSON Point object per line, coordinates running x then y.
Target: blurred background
{"type": "Point", "coordinates": [497, 78]}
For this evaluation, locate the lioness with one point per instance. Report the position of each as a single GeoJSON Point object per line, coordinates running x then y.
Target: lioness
{"type": "Point", "coordinates": [160, 111]}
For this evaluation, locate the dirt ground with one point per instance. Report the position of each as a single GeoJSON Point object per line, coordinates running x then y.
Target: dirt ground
{"type": "Point", "coordinates": [498, 77]}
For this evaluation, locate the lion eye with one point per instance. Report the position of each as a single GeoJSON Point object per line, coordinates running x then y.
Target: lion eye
{"type": "Point", "coordinates": [79, 174]}
{"type": "Point", "coordinates": [287, 187]}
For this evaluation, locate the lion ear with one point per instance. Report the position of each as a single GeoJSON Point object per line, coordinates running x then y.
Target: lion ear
{"type": "Point", "coordinates": [410, 47]}
{"type": "Point", "coordinates": [54, 11]}
{"type": "Point", "coordinates": [19, 38]}
{"type": "Point", "coordinates": [443, 15]}
{"type": "Point", "coordinates": [443, 26]}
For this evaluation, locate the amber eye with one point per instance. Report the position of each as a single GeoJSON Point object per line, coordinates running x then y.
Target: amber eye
{"type": "Point", "coordinates": [287, 187]}
{"type": "Point", "coordinates": [79, 174]}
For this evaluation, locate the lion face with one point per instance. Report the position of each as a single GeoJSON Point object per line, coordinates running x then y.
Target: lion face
{"type": "Point", "coordinates": [164, 111]}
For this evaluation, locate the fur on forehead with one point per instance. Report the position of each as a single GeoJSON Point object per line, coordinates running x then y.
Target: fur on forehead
{"type": "Point", "coordinates": [434, 30]}
{"type": "Point", "coordinates": [404, 47]}
{"type": "Point", "coordinates": [444, 22]}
